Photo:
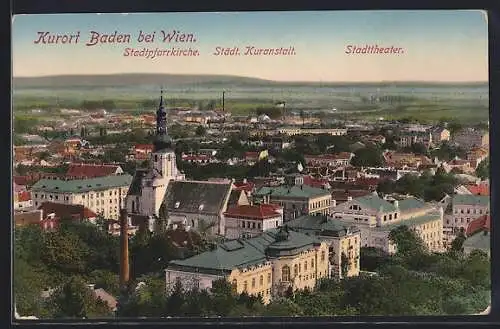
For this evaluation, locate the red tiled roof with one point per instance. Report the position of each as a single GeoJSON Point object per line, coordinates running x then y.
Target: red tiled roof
{"type": "Point", "coordinates": [367, 181]}
{"type": "Point", "coordinates": [341, 155]}
{"type": "Point", "coordinates": [479, 224]}
{"type": "Point", "coordinates": [247, 187]}
{"type": "Point", "coordinates": [315, 182]}
{"type": "Point", "coordinates": [27, 218]}
{"type": "Point", "coordinates": [480, 189]}
{"type": "Point", "coordinates": [342, 195]}
{"type": "Point", "coordinates": [251, 154]}
{"type": "Point", "coordinates": [90, 170]}
{"type": "Point", "coordinates": [262, 211]}
{"type": "Point", "coordinates": [21, 180]}
{"type": "Point", "coordinates": [200, 157]}
{"type": "Point", "coordinates": [143, 147]}
{"type": "Point", "coordinates": [24, 196]}
{"type": "Point", "coordinates": [79, 212]}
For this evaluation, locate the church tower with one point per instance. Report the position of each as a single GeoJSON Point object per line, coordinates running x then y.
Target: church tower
{"type": "Point", "coordinates": [162, 168]}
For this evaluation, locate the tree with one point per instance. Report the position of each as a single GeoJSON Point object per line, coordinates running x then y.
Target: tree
{"type": "Point", "coordinates": [408, 243]}
{"type": "Point", "coordinates": [483, 169]}
{"type": "Point", "coordinates": [75, 300]}
{"type": "Point", "coordinates": [368, 157]}
{"type": "Point", "coordinates": [344, 264]}
{"type": "Point", "coordinates": [458, 242]}
{"type": "Point", "coordinates": [200, 131]}
{"type": "Point", "coordinates": [222, 297]}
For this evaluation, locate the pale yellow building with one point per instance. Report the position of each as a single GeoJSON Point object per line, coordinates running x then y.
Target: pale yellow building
{"type": "Point", "coordinates": [377, 217]}
{"type": "Point", "coordinates": [102, 195]}
{"type": "Point", "coordinates": [344, 242]}
{"type": "Point", "coordinates": [269, 265]}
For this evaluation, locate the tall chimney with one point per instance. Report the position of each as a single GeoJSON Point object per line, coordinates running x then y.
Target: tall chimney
{"type": "Point", "coordinates": [223, 99]}
{"type": "Point", "coordinates": [124, 256]}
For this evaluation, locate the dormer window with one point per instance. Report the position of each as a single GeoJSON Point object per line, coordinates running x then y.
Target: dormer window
{"type": "Point", "coordinates": [200, 208]}
{"type": "Point", "coordinates": [177, 204]}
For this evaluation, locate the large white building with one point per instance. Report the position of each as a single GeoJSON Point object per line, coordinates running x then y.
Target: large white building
{"type": "Point", "coordinates": [376, 217]}
{"type": "Point", "coordinates": [102, 195]}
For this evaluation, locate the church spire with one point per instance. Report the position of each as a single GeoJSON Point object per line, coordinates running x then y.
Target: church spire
{"type": "Point", "coordinates": [161, 97]}
{"type": "Point", "coordinates": [162, 139]}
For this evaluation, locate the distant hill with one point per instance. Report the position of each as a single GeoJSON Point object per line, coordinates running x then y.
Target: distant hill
{"type": "Point", "coordinates": [170, 80]}
{"type": "Point", "coordinates": [126, 80]}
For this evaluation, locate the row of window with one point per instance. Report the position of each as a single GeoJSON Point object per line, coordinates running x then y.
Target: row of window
{"type": "Point", "coordinates": [320, 204]}
{"type": "Point", "coordinates": [472, 211]}
{"type": "Point", "coordinates": [253, 281]}
{"type": "Point", "coordinates": [253, 225]}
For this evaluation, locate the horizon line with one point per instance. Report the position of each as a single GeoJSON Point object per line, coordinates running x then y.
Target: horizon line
{"type": "Point", "coordinates": [251, 77]}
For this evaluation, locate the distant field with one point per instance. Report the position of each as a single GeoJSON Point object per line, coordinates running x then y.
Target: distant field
{"type": "Point", "coordinates": [244, 95]}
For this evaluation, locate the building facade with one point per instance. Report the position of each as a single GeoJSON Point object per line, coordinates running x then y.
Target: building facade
{"type": "Point", "coordinates": [344, 242]}
{"type": "Point", "coordinates": [270, 264]}
{"type": "Point", "coordinates": [466, 208]}
{"type": "Point", "coordinates": [246, 221]}
{"type": "Point", "coordinates": [297, 200]}
{"type": "Point", "coordinates": [471, 138]}
{"type": "Point", "coordinates": [102, 195]}
{"type": "Point", "coordinates": [376, 218]}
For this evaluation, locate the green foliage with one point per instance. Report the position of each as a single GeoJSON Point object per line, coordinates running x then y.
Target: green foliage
{"type": "Point", "coordinates": [75, 300]}
{"type": "Point", "coordinates": [483, 169]}
{"type": "Point", "coordinates": [24, 124]}
{"type": "Point", "coordinates": [368, 157]}
{"type": "Point", "coordinates": [427, 187]}
{"type": "Point", "coordinates": [200, 131]}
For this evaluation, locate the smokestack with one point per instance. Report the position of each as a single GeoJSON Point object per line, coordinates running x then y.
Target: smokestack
{"type": "Point", "coordinates": [124, 256]}
{"type": "Point", "coordinates": [223, 99]}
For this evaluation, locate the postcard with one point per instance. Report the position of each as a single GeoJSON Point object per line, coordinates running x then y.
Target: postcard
{"type": "Point", "coordinates": [329, 163]}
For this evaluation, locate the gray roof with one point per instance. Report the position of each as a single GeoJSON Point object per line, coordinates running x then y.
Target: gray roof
{"type": "Point", "coordinates": [321, 225]}
{"type": "Point", "coordinates": [136, 185]}
{"type": "Point", "coordinates": [82, 185]}
{"type": "Point", "coordinates": [302, 191]}
{"type": "Point", "coordinates": [196, 196]}
{"type": "Point", "coordinates": [375, 202]}
{"type": "Point", "coordinates": [480, 240]}
{"type": "Point", "coordinates": [242, 253]}
{"type": "Point", "coordinates": [470, 199]}
{"type": "Point", "coordinates": [411, 204]}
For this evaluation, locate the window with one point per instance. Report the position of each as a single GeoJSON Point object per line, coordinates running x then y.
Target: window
{"type": "Point", "coordinates": [268, 277]}
{"type": "Point", "coordinates": [322, 255]}
{"type": "Point", "coordinates": [253, 282]}
{"type": "Point", "coordinates": [285, 273]}
{"type": "Point", "coordinates": [260, 226]}
{"type": "Point", "coordinates": [110, 193]}
{"type": "Point", "coordinates": [295, 270]}
{"type": "Point", "coordinates": [395, 215]}
{"type": "Point", "coordinates": [300, 267]}
{"type": "Point", "coordinates": [245, 286]}
{"type": "Point", "coordinates": [253, 225]}
{"type": "Point", "coordinates": [312, 263]}
{"type": "Point", "coordinates": [156, 158]}
{"type": "Point", "coordinates": [261, 281]}
{"type": "Point", "coordinates": [305, 265]}
{"type": "Point", "coordinates": [234, 284]}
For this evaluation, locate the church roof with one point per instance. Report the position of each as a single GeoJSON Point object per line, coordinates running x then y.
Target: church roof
{"type": "Point", "coordinates": [196, 196]}
{"type": "Point", "coordinates": [136, 185]}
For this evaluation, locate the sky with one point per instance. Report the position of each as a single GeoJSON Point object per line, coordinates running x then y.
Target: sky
{"type": "Point", "coordinates": [437, 45]}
